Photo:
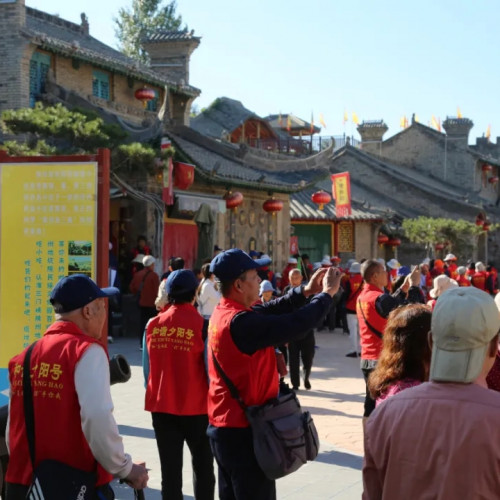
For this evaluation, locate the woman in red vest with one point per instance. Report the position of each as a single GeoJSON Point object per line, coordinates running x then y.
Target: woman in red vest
{"type": "Point", "coordinates": [176, 388]}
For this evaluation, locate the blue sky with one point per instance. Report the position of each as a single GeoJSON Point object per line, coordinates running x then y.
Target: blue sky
{"type": "Point", "coordinates": [381, 59]}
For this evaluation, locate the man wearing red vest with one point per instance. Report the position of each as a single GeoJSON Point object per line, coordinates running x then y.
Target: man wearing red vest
{"type": "Point", "coordinates": [372, 308]}
{"type": "Point", "coordinates": [352, 289]}
{"type": "Point", "coordinates": [71, 396]}
{"type": "Point", "coordinates": [241, 337]}
{"type": "Point", "coordinates": [176, 388]}
{"type": "Point", "coordinates": [481, 279]}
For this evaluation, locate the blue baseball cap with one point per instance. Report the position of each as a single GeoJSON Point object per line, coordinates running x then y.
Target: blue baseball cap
{"type": "Point", "coordinates": [77, 290]}
{"type": "Point", "coordinates": [232, 263]}
{"type": "Point", "coordinates": [181, 281]}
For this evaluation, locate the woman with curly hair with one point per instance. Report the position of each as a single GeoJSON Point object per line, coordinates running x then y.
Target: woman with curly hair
{"type": "Point", "coordinates": [406, 355]}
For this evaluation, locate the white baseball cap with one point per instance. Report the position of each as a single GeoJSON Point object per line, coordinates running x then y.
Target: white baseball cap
{"type": "Point", "coordinates": [148, 260]}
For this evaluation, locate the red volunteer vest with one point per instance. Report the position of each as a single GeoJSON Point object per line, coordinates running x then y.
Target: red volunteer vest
{"type": "Point", "coordinates": [463, 281]}
{"type": "Point", "coordinates": [452, 269]}
{"type": "Point", "coordinates": [479, 280]}
{"type": "Point", "coordinates": [371, 344]}
{"type": "Point", "coordinates": [256, 376]}
{"type": "Point", "coordinates": [58, 426]}
{"type": "Point", "coordinates": [177, 382]}
{"type": "Point", "coordinates": [355, 280]}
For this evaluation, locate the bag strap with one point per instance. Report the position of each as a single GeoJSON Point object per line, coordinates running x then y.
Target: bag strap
{"type": "Point", "coordinates": [370, 327]}
{"type": "Point", "coordinates": [141, 286]}
{"type": "Point", "coordinates": [232, 388]}
{"type": "Point", "coordinates": [29, 414]}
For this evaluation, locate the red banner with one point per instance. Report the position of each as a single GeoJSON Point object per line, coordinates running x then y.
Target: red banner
{"type": "Point", "coordinates": [168, 183]}
{"type": "Point", "coordinates": [341, 191]}
{"type": "Point", "coordinates": [183, 175]}
{"type": "Point", "coordinates": [294, 245]}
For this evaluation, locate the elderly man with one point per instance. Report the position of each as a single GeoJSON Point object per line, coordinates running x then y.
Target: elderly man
{"type": "Point", "coordinates": [241, 338]}
{"type": "Point", "coordinates": [372, 308]}
{"type": "Point", "coordinates": [76, 425]}
{"type": "Point", "coordinates": [440, 439]}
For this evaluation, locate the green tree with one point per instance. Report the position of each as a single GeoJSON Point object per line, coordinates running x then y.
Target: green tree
{"type": "Point", "coordinates": [458, 236]}
{"type": "Point", "coordinates": [140, 21]}
{"type": "Point", "coordinates": [57, 130]}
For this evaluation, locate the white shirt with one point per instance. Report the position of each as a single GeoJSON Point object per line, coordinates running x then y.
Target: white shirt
{"type": "Point", "coordinates": [209, 297]}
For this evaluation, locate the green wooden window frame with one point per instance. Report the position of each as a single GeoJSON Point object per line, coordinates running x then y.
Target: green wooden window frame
{"type": "Point", "coordinates": [100, 84]}
{"type": "Point", "coordinates": [39, 67]}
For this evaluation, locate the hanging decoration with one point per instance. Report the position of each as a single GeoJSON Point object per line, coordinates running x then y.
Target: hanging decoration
{"type": "Point", "coordinates": [486, 225]}
{"type": "Point", "coordinates": [382, 239]}
{"type": "Point", "coordinates": [393, 242]}
{"type": "Point", "coordinates": [439, 246]}
{"type": "Point", "coordinates": [479, 219]}
{"type": "Point", "coordinates": [321, 198]}
{"type": "Point", "coordinates": [272, 206]}
{"type": "Point", "coordinates": [144, 95]}
{"type": "Point", "coordinates": [233, 200]}
{"type": "Point", "coordinates": [183, 175]}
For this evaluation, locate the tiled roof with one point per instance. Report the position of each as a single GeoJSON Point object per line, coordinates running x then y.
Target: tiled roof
{"type": "Point", "coordinates": [58, 35]}
{"type": "Point", "coordinates": [222, 117]}
{"type": "Point", "coordinates": [302, 207]}
{"type": "Point", "coordinates": [172, 36]}
{"type": "Point", "coordinates": [218, 163]}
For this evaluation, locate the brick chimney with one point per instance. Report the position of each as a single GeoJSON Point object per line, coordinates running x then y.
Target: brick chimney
{"type": "Point", "coordinates": [14, 89]}
{"type": "Point", "coordinates": [371, 133]}
{"type": "Point", "coordinates": [458, 129]}
{"type": "Point", "coordinates": [170, 52]}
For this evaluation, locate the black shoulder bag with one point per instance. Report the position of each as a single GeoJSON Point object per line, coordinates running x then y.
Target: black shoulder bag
{"type": "Point", "coordinates": [284, 437]}
{"type": "Point", "coordinates": [52, 480]}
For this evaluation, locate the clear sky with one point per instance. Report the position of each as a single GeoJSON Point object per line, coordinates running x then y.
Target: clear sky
{"type": "Point", "coordinates": [380, 59]}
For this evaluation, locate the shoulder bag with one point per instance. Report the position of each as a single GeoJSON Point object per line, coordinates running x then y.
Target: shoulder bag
{"type": "Point", "coordinates": [284, 437]}
{"type": "Point", "coordinates": [52, 480]}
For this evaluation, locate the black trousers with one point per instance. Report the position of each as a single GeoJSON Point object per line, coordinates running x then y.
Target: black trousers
{"type": "Point", "coordinates": [369, 405]}
{"type": "Point", "coordinates": [240, 477]}
{"type": "Point", "coordinates": [303, 348]}
{"type": "Point", "coordinates": [19, 492]}
{"type": "Point", "coordinates": [146, 314]}
{"type": "Point", "coordinates": [171, 431]}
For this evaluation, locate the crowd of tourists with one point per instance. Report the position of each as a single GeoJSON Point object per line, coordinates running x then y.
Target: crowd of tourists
{"type": "Point", "coordinates": [224, 337]}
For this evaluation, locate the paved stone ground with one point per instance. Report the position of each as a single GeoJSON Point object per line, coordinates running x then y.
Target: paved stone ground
{"type": "Point", "coordinates": [335, 401]}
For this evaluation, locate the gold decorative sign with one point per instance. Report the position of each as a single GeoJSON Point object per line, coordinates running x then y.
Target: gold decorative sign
{"type": "Point", "coordinates": [345, 237]}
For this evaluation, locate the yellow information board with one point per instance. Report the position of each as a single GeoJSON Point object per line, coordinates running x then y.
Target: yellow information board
{"type": "Point", "coordinates": [48, 223]}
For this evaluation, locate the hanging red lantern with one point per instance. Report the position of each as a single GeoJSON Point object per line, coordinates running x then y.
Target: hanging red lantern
{"type": "Point", "coordinates": [273, 206]}
{"type": "Point", "coordinates": [233, 200]}
{"type": "Point", "coordinates": [493, 180]}
{"type": "Point", "coordinates": [393, 242]}
{"type": "Point", "coordinates": [486, 225]}
{"type": "Point", "coordinates": [479, 219]}
{"type": "Point", "coordinates": [144, 95]}
{"type": "Point", "coordinates": [487, 168]}
{"type": "Point", "coordinates": [439, 246]}
{"type": "Point", "coordinates": [321, 198]}
{"type": "Point", "coordinates": [382, 239]}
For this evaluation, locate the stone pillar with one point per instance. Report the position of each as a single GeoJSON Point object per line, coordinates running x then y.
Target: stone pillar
{"type": "Point", "coordinates": [371, 133]}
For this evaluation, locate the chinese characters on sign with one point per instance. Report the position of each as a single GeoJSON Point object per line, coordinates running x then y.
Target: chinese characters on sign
{"type": "Point", "coordinates": [48, 230]}
{"type": "Point", "coordinates": [341, 191]}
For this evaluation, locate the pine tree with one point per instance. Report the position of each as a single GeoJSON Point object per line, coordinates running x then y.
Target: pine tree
{"type": "Point", "coordinates": [143, 19]}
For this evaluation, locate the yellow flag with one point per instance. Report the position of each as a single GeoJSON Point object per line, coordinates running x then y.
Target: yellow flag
{"type": "Point", "coordinates": [459, 113]}
{"type": "Point", "coordinates": [289, 123]}
{"type": "Point", "coordinates": [280, 120]}
{"type": "Point", "coordinates": [417, 119]}
{"type": "Point", "coordinates": [436, 123]}
{"type": "Point", "coordinates": [322, 120]}
{"type": "Point", "coordinates": [402, 122]}
{"type": "Point", "coordinates": [355, 118]}
{"type": "Point", "coordinates": [346, 118]}
{"type": "Point", "coordinates": [488, 132]}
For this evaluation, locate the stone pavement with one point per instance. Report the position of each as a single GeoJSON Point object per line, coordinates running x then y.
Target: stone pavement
{"type": "Point", "coordinates": [335, 401]}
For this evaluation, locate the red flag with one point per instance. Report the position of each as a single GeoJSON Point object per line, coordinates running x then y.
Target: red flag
{"type": "Point", "coordinates": [167, 193]}
{"type": "Point", "coordinates": [341, 191]}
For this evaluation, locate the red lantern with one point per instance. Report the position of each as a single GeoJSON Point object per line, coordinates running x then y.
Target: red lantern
{"type": "Point", "coordinates": [144, 95]}
{"type": "Point", "coordinates": [486, 225]}
{"type": "Point", "coordinates": [272, 205]}
{"type": "Point", "coordinates": [394, 242]}
{"type": "Point", "coordinates": [493, 180]}
{"type": "Point", "coordinates": [479, 220]}
{"type": "Point", "coordinates": [183, 175]}
{"type": "Point", "coordinates": [487, 168]}
{"type": "Point", "coordinates": [382, 239]}
{"type": "Point", "coordinates": [321, 198]}
{"type": "Point", "coordinates": [233, 200]}
{"type": "Point", "coordinates": [439, 246]}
